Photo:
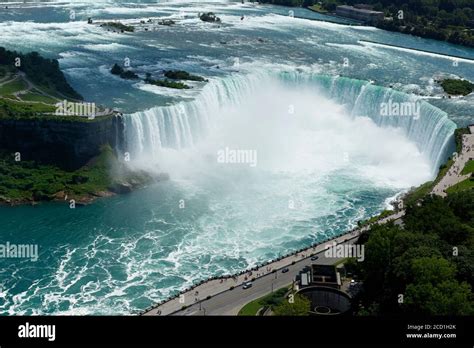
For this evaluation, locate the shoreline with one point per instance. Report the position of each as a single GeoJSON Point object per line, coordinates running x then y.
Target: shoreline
{"type": "Point", "coordinates": [172, 304]}
{"type": "Point", "coordinates": [169, 306]}
{"type": "Point", "coordinates": [84, 200]}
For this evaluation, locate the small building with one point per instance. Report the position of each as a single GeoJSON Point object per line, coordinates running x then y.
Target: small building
{"type": "Point", "coordinates": [320, 275]}
{"type": "Point", "coordinates": [321, 284]}
{"type": "Point", "coordinates": [361, 13]}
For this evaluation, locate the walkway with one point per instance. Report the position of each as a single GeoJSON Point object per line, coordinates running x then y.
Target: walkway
{"type": "Point", "coordinates": [454, 176]}
{"type": "Point", "coordinates": [225, 301]}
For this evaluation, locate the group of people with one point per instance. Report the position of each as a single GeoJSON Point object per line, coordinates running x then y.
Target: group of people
{"type": "Point", "coordinates": [248, 273]}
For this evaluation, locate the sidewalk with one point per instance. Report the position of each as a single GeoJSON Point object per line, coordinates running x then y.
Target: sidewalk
{"type": "Point", "coordinates": [454, 176]}
{"type": "Point", "coordinates": [219, 285]}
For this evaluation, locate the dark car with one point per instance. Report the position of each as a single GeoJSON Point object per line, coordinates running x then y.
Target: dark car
{"type": "Point", "coordinates": [314, 258]}
{"type": "Point", "coordinates": [284, 270]}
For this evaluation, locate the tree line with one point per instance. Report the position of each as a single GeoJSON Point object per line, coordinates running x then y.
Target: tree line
{"type": "Point", "coordinates": [423, 267]}
{"type": "Point", "coordinates": [43, 72]}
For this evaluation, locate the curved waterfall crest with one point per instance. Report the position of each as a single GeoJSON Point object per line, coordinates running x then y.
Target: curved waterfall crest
{"type": "Point", "coordinates": [183, 124]}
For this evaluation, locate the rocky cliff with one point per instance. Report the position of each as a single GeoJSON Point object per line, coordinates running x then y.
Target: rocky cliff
{"type": "Point", "coordinates": [69, 144]}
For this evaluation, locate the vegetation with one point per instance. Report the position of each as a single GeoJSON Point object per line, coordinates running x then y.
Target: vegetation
{"type": "Point", "coordinates": [317, 8]}
{"type": "Point", "coordinates": [209, 17]}
{"type": "Point", "coordinates": [28, 181]}
{"type": "Point", "coordinates": [166, 83]}
{"type": "Point", "coordinates": [17, 109]}
{"type": "Point", "coordinates": [421, 191]}
{"type": "Point", "coordinates": [458, 134]}
{"type": "Point", "coordinates": [464, 185]}
{"type": "Point", "coordinates": [446, 20]}
{"type": "Point", "coordinates": [125, 74]}
{"type": "Point", "coordinates": [183, 75]}
{"type": "Point", "coordinates": [36, 97]}
{"type": "Point", "coordinates": [41, 71]}
{"type": "Point", "coordinates": [292, 3]}
{"type": "Point", "coordinates": [373, 219]}
{"type": "Point", "coordinates": [468, 167]}
{"type": "Point", "coordinates": [457, 87]}
{"type": "Point", "coordinates": [119, 26]}
{"type": "Point", "coordinates": [12, 87]}
{"type": "Point", "coordinates": [429, 260]}
{"type": "Point", "coordinates": [270, 300]}
{"type": "Point", "coordinates": [299, 307]}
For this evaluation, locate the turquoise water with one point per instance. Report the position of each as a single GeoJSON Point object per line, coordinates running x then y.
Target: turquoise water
{"type": "Point", "coordinates": [322, 166]}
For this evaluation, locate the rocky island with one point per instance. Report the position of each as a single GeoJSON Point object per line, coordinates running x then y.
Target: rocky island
{"type": "Point", "coordinates": [457, 87]}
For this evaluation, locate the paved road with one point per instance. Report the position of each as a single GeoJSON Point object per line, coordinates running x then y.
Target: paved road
{"type": "Point", "coordinates": [225, 301]}
{"type": "Point", "coordinates": [230, 302]}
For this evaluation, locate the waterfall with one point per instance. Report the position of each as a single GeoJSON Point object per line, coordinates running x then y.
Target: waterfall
{"type": "Point", "coordinates": [432, 131]}
{"type": "Point", "coordinates": [183, 124]}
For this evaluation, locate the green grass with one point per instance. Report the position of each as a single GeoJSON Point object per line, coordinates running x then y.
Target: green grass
{"type": "Point", "coordinates": [34, 97]}
{"type": "Point", "coordinates": [421, 191]}
{"type": "Point", "coordinates": [12, 87]}
{"type": "Point", "coordinates": [458, 134]}
{"type": "Point", "coordinates": [468, 168]}
{"type": "Point", "coordinates": [467, 184]}
{"type": "Point", "coordinates": [10, 108]}
{"type": "Point", "coordinates": [373, 219]}
{"type": "Point", "coordinates": [251, 308]}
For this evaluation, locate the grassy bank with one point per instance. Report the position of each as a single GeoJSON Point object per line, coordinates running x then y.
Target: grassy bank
{"type": "Point", "coordinates": [28, 182]}
{"type": "Point", "coordinates": [373, 219]}
{"type": "Point", "coordinates": [424, 189]}
{"type": "Point", "coordinates": [273, 299]}
{"type": "Point", "coordinates": [467, 184]}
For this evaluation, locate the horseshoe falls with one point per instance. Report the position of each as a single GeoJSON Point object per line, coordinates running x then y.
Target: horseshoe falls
{"type": "Point", "coordinates": [184, 124]}
{"type": "Point", "coordinates": [325, 154]}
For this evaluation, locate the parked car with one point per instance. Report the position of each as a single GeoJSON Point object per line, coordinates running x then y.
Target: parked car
{"type": "Point", "coordinates": [284, 270]}
{"type": "Point", "coordinates": [247, 285]}
{"type": "Point", "coordinates": [314, 258]}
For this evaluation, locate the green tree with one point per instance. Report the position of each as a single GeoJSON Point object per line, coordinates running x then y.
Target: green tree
{"type": "Point", "coordinates": [435, 291]}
